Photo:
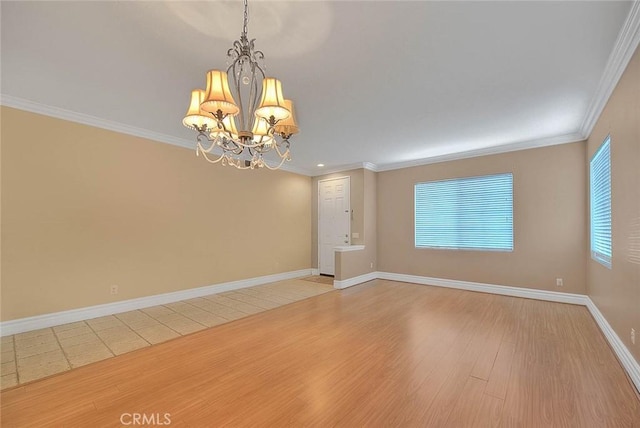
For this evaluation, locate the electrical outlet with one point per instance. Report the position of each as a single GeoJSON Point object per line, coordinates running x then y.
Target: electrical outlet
{"type": "Point", "coordinates": [633, 336]}
{"type": "Point", "coordinates": [114, 289]}
{"type": "Point", "coordinates": [371, 265]}
{"type": "Point", "coordinates": [559, 282]}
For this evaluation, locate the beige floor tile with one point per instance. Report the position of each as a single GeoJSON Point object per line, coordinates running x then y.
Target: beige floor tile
{"type": "Point", "coordinates": [255, 301]}
{"type": "Point", "coordinates": [189, 310]}
{"type": "Point", "coordinates": [202, 303]}
{"type": "Point", "coordinates": [157, 334]}
{"type": "Point", "coordinates": [70, 326]}
{"type": "Point", "coordinates": [170, 317]}
{"type": "Point", "coordinates": [31, 334]}
{"type": "Point", "coordinates": [6, 340]}
{"type": "Point", "coordinates": [158, 311]}
{"type": "Point", "coordinates": [115, 332]}
{"type": "Point", "coordinates": [115, 344]}
{"type": "Point", "coordinates": [76, 340]}
{"type": "Point", "coordinates": [29, 374]}
{"type": "Point", "coordinates": [7, 347]}
{"type": "Point", "coordinates": [237, 305]}
{"type": "Point", "coordinates": [132, 316]}
{"type": "Point", "coordinates": [85, 348]}
{"type": "Point", "coordinates": [28, 342]}
{"type": "Point", "coordinates": [42, 348]}
{"type": "Point", "coordinates": [211, 306]}
{"type": "Point", "coordinates": [226, 312]}
{"type": "Point", "coordinates": [141, 323]}
{"type": "Point", "coordinates": [8, 356]}
{"type": "Point", "coordinates": [8, 381]}
{"type": "Point", "coordinates": [104, 323]}
{"type": "Point", "coordinates": [280, 292]}
{"type": "Point", "coordinates": [8, 368]}
{"type": "Point", "coordinates": [84, 359]}
{"type": "Point", "coordinates": [78, 331]}
{"type": "Point", "coordinates": [40, 359]}
{"type": "Point", "coordinates": [180, 306]}
{"type": "Point", "coordinates": [41, 365]}
{"type": "Point", "coordinates": [263, 294]}
{"type": "Point", "coordinates": [208, 319]}
{"type": "Point", "coordinates": [195, 301]}
{"type": "Point", "coordinates": [185, 326]}
{"type": "Point", "coordinates": [124, 346]}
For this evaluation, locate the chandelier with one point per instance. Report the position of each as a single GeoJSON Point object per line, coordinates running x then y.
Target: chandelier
{"type": "Point", "coordinates": [253, 132]}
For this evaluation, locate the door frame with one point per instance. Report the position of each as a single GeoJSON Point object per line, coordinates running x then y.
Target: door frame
{"type": "Point", "coordinates": [348, 177]}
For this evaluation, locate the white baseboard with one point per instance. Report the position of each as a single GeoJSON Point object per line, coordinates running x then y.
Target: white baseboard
{"type": "Point", "coordinates": [58, 318]}
{"type": "Point", "coordinates": [527, 293]}
{"type": "Point", "coordinates": [626, 359]}
{"type": "Point", "coordinates": [355, 280]}
{"type": "Point", "coordinates": [315, 271]}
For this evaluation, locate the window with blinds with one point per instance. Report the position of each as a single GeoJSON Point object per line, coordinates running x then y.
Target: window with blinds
{"type": "Point", "coordinates": [472, 213]}
{"type": "Point", "coordinates": [600, 203]}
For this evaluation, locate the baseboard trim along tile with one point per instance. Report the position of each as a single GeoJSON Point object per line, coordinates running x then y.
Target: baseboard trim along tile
{"type": "Point", "coordinates": [58, 318]}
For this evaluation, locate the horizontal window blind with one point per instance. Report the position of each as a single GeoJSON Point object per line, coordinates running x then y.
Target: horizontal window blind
{"type": "Point", "coordinates": [600, 202]}
{"type": "Point", "coordinates": [465, 213]}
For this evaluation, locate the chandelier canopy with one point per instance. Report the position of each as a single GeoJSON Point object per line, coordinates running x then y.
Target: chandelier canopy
{"type": "Point", "coordinates": [247, 124]}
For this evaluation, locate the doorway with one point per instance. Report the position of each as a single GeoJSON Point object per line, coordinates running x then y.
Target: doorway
{"type": "Point", "coordinates": [334, 220]}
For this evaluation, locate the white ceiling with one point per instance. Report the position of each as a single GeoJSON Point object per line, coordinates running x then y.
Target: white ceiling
{"type": "Point", "coordinates": [384, 82]}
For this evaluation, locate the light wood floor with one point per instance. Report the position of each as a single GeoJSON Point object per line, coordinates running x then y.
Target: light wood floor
{"type": "Point", "coordinates": [379, 354]}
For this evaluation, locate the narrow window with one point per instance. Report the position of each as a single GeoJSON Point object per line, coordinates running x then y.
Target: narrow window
{"type": "Point", "coordinates": [600, 202]}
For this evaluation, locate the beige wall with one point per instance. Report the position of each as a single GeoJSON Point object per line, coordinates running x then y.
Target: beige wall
{"type": "Point", "coordinates": [616, 291]}
{"type": "Point", "coordinates": [84, 208]}
{"type": "Point", "coordinates": [354, 263]}
{"type": "Point", "coordinates": [549, 221]}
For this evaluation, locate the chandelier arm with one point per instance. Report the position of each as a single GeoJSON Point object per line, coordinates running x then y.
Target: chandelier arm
{"type": "Point", "coordinates": [287, 145]}
{"type": "Point", "coordinates": [206, 156]}
{"type": "Point", "coordinates": [201, 136]}
{"type": "Point", "coordinates": [234, 147]}
{"type": "Point", "coordinates": [273, 168]}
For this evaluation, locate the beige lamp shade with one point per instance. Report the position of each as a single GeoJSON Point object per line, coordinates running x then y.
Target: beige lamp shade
{"type": "Point", "coordinates": [261, 132]}
{"type": "Point", "coordinates": [218, 95]}
{"type": "Point", "coordinates": [272, 101]}
{"type": "Point", "coordinates": [229, 124]}
{"type": "Point", "coordinates": [288, 126]}
{"type": "Point", "coordinates": [195, 116]}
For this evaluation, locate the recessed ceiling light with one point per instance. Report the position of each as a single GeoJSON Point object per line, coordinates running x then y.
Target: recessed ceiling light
{"type": "Point", "coordinates": [320, 164]}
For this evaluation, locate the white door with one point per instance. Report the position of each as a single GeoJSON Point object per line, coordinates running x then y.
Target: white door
{"type": "Point", "coordinates": [334, 220]}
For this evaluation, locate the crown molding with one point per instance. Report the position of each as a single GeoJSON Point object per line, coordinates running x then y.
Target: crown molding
{"type": "Point", "coordinates": [85, 119]}
{"type": "Point", "coordinates": [522, 145]}
{"type": "Point", "coordinates": [623, 50]}
{"type": "Point", "coordinates": [347, 167]}
{"type": "Point", "coordinates": [370, 166]}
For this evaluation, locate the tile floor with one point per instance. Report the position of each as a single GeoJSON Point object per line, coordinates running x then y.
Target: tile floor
{"type": "Point", "coordinates": [40, 353]}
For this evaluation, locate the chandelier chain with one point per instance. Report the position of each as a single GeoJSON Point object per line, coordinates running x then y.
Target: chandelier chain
{"type": "Point", "coordinates": [246, 19]}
